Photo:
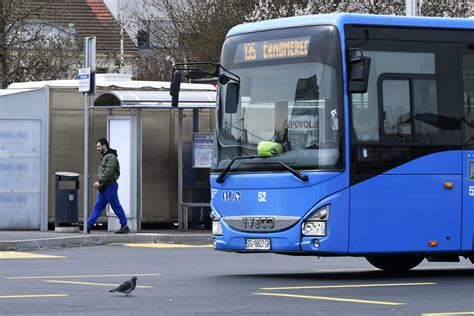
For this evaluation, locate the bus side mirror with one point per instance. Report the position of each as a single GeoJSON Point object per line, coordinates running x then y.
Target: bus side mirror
{"type": "Point", "coordinates": [174, 88]}
{"type": "Point", "coordinates": [232, 97]}
{"type": "Point", "coordinates": [196, 74]}
{"type": "Point", "coordinates": [359, 68]}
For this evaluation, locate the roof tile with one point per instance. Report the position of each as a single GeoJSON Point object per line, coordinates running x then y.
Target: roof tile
{"type": "Point", "coordinates": [90, 18]}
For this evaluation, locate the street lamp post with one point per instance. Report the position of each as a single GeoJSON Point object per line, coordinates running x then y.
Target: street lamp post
{"type": "Point", "coordinates": [412, 7]}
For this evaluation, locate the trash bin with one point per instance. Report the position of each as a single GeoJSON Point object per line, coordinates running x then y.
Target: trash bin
{"type": "Point", "coordinates": [67, 205]}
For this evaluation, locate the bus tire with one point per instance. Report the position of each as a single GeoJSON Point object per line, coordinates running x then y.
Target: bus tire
{"type": "Point", "coordinates": [395, 263]}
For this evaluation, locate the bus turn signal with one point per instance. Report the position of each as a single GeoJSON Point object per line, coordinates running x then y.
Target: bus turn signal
{"type": "Point", "coordinates": [448, 185]}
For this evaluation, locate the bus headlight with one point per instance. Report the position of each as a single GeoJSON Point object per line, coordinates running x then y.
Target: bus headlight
{"type": "Point", "coordinates": [322, 214]}
{"type": "Point", "coordinates": [315, 225]}
{"type": "Point", "coordinates": [314, 228]}
{"type": "Point", "coordinates": [216, 228]}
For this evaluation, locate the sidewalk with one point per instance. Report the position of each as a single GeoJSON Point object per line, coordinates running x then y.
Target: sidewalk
{"type": "Point", "coordinates": [27, 240]}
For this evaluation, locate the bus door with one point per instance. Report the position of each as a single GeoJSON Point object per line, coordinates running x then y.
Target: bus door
{"type": "Point", "coordinates": [468, 202]}
{"type": "Point", "coordinates": [468, 154]}
{"type": "Point", "coordinates": [413, 207]}
{"type": "Point", "coordinates": [405, 150]}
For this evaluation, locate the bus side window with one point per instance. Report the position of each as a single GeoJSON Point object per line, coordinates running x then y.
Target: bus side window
{"type": "Point", "coordinates": [396, 107]}
{"type": "Point", "coordinates": [427, 120]}
{"type": "Point", "coordinates": [468, 92]}
{"type": "Point", "coordinates": [410, 107]}
{"type": "Point", "coordinates": [413, 93]}
{"type": "Point", "coordinates": [364, 118]}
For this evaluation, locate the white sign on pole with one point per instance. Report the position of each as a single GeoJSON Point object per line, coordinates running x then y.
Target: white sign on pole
{"type": "Point", "coordinates": [84, 78]}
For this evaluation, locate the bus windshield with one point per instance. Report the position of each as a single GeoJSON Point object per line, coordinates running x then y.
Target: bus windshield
{"type": "Point", "coordinates": [290, 95]}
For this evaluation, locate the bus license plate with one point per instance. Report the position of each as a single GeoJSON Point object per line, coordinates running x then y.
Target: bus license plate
{"type": "Point", "coordinates": [257, 244]}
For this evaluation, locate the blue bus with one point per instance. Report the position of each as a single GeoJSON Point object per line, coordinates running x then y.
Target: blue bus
{"type": "Point", "coordinates": [346, 135]}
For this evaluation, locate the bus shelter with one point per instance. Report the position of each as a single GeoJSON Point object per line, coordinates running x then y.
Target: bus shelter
{"type": "Point", "coordinates": [125, 134]}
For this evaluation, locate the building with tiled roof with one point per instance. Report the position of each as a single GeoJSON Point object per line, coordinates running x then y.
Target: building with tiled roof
{"type": "Point", "coordinates": [91, 18]}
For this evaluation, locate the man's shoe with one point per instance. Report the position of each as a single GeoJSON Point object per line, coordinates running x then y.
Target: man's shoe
{"type": "Point", "coordinates": [88, 229]}
{"type": "Point", "coordinates": [123, 230]}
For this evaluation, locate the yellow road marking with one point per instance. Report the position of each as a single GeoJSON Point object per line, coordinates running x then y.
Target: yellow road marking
{"type": "Point", "coordinates": [26, 255]}
{"type": "Point", "coordinates": [33, 296]}
{"type": "Point", "coordinates": [343, 286]}
{"type": "Point", "coordinates": [81, 276]}
{"type": "Point", "coordinates": [167, 246]}
{"type": "Point", "coordinates": [92, 283]}
{"type": "Point", "coordinates": [450, 313]}
{"type": "Point", "coordinates": [328, 298]}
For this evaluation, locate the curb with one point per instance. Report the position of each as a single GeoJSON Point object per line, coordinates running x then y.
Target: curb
{"type": "Point", "coordinates": [96, 240]}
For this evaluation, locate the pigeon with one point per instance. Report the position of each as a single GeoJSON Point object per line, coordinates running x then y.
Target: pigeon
{"type": "Point", "coordinates": [126, 287]}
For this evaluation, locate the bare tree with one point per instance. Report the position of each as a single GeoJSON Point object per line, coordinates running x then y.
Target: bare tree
{"type": "Point", "coordinates": [447, 8]}
{"type": "Point", "coordinates": [188, 30]}
{"type": "Point", "coordinates": [154, 66]}
{"type": "Point", "coordinates": [268, 9]}
{"type": "Point", "coordinates": [30, 48]}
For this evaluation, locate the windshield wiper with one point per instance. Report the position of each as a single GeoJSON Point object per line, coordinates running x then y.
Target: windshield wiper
{"type": "Point", "coordinates": [295, 172]}
{"type": "Point", "coordinates": [220, 178]}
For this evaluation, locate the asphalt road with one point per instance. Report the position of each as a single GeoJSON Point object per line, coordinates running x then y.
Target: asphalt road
{"type": "Point", "coordinates": [191, 281]}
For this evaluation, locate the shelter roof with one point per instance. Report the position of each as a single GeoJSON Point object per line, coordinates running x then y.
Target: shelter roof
{"type": "Point", "coordinates": [155, 99]}
{"type": "Point", "coordinates": [5, 92]}
{"type": "Point", "coordinates": [111, 81]}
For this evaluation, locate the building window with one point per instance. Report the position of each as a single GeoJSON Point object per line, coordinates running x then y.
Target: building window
{"type": "Point", "coordinates": [143, 39]}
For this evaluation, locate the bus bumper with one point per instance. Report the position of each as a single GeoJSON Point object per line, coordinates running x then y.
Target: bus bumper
{"type": "Point", "coordinates": [284, 241]}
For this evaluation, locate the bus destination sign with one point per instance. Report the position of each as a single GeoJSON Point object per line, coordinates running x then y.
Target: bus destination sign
{"type": "Point", "coordinates": [270, 50]}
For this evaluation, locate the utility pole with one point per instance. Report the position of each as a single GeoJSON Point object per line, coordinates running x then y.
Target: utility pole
{"type": "Point", "coordinates": [3, 47]}
{"type": "Point", "coordinates": [122, 58]}
{"type": "Point", "coordinates": [412, 7]}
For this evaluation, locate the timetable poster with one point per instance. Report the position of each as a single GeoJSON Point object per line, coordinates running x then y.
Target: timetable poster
{"type": "Point", "coordinates": [202, 150]}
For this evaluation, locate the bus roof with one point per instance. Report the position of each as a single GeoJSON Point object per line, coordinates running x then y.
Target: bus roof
{"type": "Point", "coordinates": [341, 19]}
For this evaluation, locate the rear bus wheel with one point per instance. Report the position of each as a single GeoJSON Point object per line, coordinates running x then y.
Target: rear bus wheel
{"type": "Point", "coordinates": [395, 263]}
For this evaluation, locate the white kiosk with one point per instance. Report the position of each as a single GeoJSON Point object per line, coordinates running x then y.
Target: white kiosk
{"type": "Point", "coordinates": [24, 142]}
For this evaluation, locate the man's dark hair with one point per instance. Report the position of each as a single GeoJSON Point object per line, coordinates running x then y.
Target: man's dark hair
{"type": "Point", "coordinates": [103, 141]}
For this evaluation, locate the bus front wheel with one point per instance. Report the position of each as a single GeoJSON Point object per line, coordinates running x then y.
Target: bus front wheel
{"type": "Point", "coordinates": [395, 263]}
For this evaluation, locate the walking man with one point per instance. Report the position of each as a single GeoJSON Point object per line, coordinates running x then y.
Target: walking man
{"type": "Point", "coordinates": [107, 186]}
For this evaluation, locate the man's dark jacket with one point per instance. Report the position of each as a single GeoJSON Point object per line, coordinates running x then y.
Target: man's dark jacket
{"type": "Point", "coordinates": [109, 167]}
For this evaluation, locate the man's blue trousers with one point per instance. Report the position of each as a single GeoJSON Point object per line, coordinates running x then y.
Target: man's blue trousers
{"type": "Point", "coordinates": [109, 195]}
